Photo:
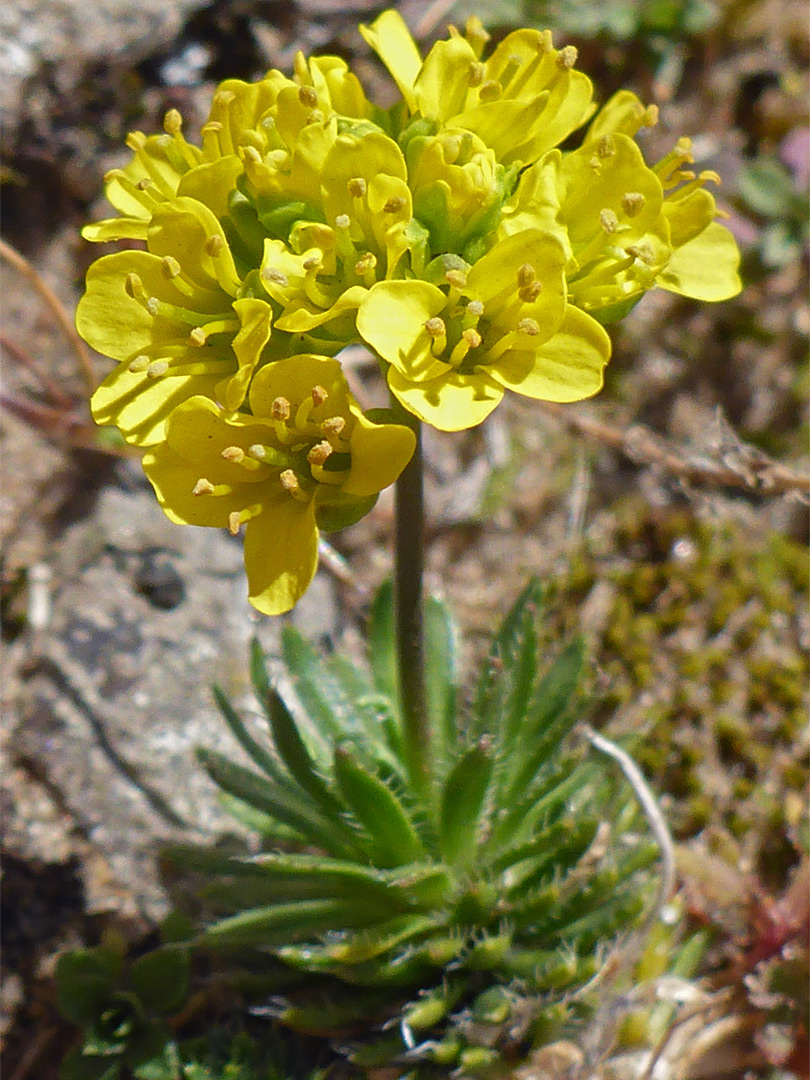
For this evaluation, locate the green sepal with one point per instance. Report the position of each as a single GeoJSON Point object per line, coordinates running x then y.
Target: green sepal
{"type": "Point", "coordinates": [393, 839]}
{"type": "Point", "coordinates": [463, 803]}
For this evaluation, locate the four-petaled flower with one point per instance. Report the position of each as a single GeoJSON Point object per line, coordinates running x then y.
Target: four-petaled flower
{"type": "Point", "coordinates": [307, 459]}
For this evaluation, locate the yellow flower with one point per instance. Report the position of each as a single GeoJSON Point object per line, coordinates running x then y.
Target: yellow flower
{"type": "Point", "coordinates": [307, 460]}
{"type": "Point", "coordinates": [176, 318]}
{"type": "Point", "coordinates": [522, 101]}
{"type": "Point", "coordinates": [503, 324]}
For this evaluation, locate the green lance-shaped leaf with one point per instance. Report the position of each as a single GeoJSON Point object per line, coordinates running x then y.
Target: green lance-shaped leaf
{"type": "Point", "coordinates": [367, 944]}
{"type": "Point", "coordinates": [382, 643]}
{"type": "Point", "coordinates": [394, 840]}
{"type": "Point", "coordinates": [286, 805]}
{"type": "Point", "coordinates": [562, 844]}
{"type": "Point", "coordinates": [464, 802]}
{"type": "Point", "coordinates": [546, 722]}
{"type": "Point", "coordinates": [279, 924]}
{"type": "Point", "coordinates": [317, 689]}
{"type": "Point", "coordinates": [504, 689]}
{"type": "Point", "coordinates": [441, 674]}
{"type": "Point", "coordinates": [257, 753]}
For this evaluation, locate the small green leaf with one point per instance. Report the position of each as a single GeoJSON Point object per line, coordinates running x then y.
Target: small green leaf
{"type": "Point", "coordinates": [86, 980]}
{"type": "Point", "coordinates": [394, 840]}
{"type": "Point", "coordinates": [463, 803]}
{"type": "Point", "coordinates": [160, 978]}
{"type": "Point", "coordinates": [280, 924]}
{"type": "Point", "coordinates": [382, 643]}
{"type": "Point", "coordinates": [441, 675]}
{"type": "Point", "coordinates": [254, 750]}
{"type": "Point", "coordinates": [287, 806]}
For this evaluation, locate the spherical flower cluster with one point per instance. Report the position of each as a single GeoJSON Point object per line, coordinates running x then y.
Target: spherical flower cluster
{"type": "Point", "coordinates": [448, 234]}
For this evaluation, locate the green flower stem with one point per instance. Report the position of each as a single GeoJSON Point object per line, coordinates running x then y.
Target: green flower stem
{"type": "Point", "coordinates": [409, 561]}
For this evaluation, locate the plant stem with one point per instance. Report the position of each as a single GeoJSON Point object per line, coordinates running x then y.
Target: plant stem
{"type": "Point", "coordinates": [409, 562]}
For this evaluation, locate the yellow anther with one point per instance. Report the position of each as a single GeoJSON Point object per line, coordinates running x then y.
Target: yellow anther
{"type": "Point", "coordinates": [319, 453]}
{"type": "Point", "coordinates": [275, 276]}
{"type": "Point", "coordinates": [342, 221]}
{"type": "Point", "coordinates": [472, 337]}
{"type": "Point", "coordinates": [153, 305]}
{"type": "Point", "coordinates": [223, 98]}
{"type": "Point", "coordinates": [316, 117]}
{"type": "Point", "coordinates": [608, 221]}
{"type": "Point", "coordinates": [476, 308]}
{"type": "Point", "coordinates": [133, 286]}
{"type": "Point", "coordinates": [319, 395]}
{"type": "Point", "coordinates": [136, 140]}
{"type": "Point", "coordinates": [289, 481]}
{"type": "Point", "coordinates": [308, 96]}
{"type": "Point", "coordinates": [214, 245]}
{"type": "Point", "coordinates": [197, 337]}
{"type": "Point", "coordinates": [529, 326]}
{"type": "Point", "coordinates": [280, 409]}
{"type": "Point", "coordinates": [211, 127]}
{"type": "Point", "coordinates": [172, 122]}
{"type": "Point", "coordinates": [157, 368]}
{"type": "Point", "coordinates": [633, 203]}
{"type": "Point", "coordinates": [529, 293]}
{"type": "Point", "coordinates": [140, 363]}
{"type": "Point", "coordinates": [333, 426]}
{"type": "Point", "coordinates": [606, 147]}
{"type": "Point", "coordinates": [545, 43]}
{"type": "Point", "coordinates": [490, 91]}
{"type": "Point", "coordinates": [312, 263]}
{"type": "Point", "coordinates": [395, 204]}
{"type": "Point", "coordinates": [567, 57]}
{"type": "Point", "coordinates": [642, 252]}
{"type": "Point", "coordinates": [142, 185]}
{"type": "Point", "coordinates": [203, 487]}
{"type": "Point", "coordinates": [365, 263]}
{"type": "Point", "coordinates": [234, 454]}
{"type": "Point", "coordinates": [435, 327]}
{"type": "Point", "coordinates": [170, 266]}
{"type": "Point", "coordinates": [456, 278]}
{"type": "Point", "coordinates": [257, 451]}
{"type": "Point", "coordinates": [526, 275]}
{"type": "Point", "coordinates": [252, 153]}
{"type": "Point", "coordinates": [234, 521]}
{"type": "Point", "coordinates": [476, 76]}
{"type": "Point", "coordinates": [356, 187]}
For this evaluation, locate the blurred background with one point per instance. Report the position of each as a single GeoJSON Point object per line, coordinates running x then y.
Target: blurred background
{"type": "Point", "coordinates": [668, 517]}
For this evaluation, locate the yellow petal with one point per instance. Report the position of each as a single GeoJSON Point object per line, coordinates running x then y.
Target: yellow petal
{"type": "Point", "coordinates": [281, 554]}
{"type": "Point", "coordinates": [391, 40]}
{"type": "Point", "coordinates": [379, 454]}
{"type": "Point", "coordinates": [706, 268]}
{"type": "Point", "coordinates": [452, 402]}
{"type": "Point", "coordinates": [442, 85]}
{"type": "Point", "coordinates": [256, 319]}
{"type": "Point", "coordinates": [392, 319]}
{"type": "Point", "coordinates": [568, 367]}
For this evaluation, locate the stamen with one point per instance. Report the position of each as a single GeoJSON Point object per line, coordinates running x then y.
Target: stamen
{"type": "Point", "coordinates": [529, 326]}
{"type": "Point", "coordinates": [489, 91]}
{"type": "Point", "coordinates": [333, 426]}
{"type": "Point", "coordinates": [234, 453]}
{"type": "Point", "coordinates": [365, 263]}
{"type": "Point", "coordinates": [529, 293]}
{"type": "Point", "coordinates": [608, 221]}
{"type": "Point", "coordinates": [170, 267]}
{"type": "Point", "coordinates": [281, 409]}
{"type": "Point", "coordinates": [277, 277]}
{"type": "Point", "coordinates": [289, 481]}
{"type": "Point", "coordinates": [526, 275]}
{"type": "Point", "coordinates": [223, 98]}
{"type": "Point", "coordinates": [203, 487]}
{"type": "Point", "coordinates": [472, 337]}
{"type": "Point", "coordinates": [606, 147]}
{"type": "Point", "coordinates": [312, 263]}
{"type": "Point", "coordinates": [476, 76]}
{"type": "Point", "coordinates": [197, 337]}
{"type": "Point", "coordinates": [319, 395]}
{"type": "Point", "coordinates": [157, 368]}
{"type": "Point", "coordinates": [140, 363]}
{"type": "Point", "coordinates": [395, 204]}
{"type": "Point", "coordinates": [342, 221]}
{"type": "Point", "coordinates": [214, 245]}
{"type": "Point", "coordinates": [633, 203]}
{"type": "Point", "coordinates": [456, 278]}
{"type": "Point", "coordinates": [308, 96]}
{"type": "Point", "coordinates": [436, 327]}
{"type": "Point", "coordinates": [319, 453]}
{"type": "Point", "coordinates": [252, 153]}
{"type": "Point", "coordinates": [476, 308]}
{"type": "Point", "coordinates": [234, 521]}
{"type": "Point", "coordinates": [133, 287]}
{"type": "Point", "coordinates": [153, 305]}
{"type": "Point", "coordinates": [172, 122]}
{"type": "Point", "coordinates": [567, 57]}
{"type": "Point", "coordinates": [356, 187]}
